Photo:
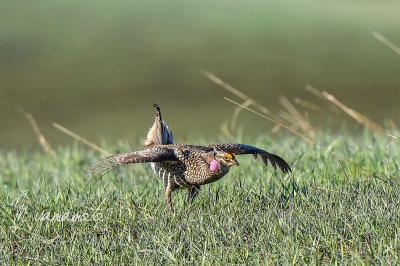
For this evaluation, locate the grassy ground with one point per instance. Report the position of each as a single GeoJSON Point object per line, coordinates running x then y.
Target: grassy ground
{"type": "Point", "coordinates": [329, 210]}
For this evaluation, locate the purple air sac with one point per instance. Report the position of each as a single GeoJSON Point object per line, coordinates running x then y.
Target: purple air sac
{"type": "Point", "coordinates": [214, 166]}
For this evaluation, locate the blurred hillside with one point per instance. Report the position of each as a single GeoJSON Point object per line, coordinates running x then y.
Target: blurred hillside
{"type": "Point", "coordinates": [96, 67]}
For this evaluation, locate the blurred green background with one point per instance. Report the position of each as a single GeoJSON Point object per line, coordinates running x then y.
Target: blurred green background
{"type": "Point", "coordinates": [96, 67]}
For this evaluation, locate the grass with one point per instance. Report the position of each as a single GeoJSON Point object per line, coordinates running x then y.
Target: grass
{"type": "Point", "coordinates": [328, 211]}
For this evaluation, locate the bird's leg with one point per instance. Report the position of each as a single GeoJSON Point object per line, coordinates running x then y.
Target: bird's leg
{"type": "Point", "coordinates": [168, 196]}
{"type": "Point", "coordinates": [193, 191]}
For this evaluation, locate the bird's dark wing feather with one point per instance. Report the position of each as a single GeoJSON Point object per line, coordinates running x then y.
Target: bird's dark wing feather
{"type": "Point", "coordinates": [239, 149]}
{"type": "Point", "coordinates": [155, 154]}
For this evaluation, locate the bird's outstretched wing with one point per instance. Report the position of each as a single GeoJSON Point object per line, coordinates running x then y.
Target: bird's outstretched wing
{"type": "Point", "coordinates": [154, 154]}
{"type": "Point", "coordinates": [239, 149]}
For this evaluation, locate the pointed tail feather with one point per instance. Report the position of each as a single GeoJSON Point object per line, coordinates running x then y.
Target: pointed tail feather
{"type": "Point", "coordinates": [159, 133]}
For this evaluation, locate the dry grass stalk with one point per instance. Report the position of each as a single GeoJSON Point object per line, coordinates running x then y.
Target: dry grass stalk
{"type": "Point", "coordinates": [392, 125]}
{"type": "Point", "coordinates": [386, 42]}
{"type": "Point", "coordinates": [272, 120]}
{"type": "Point", "coordinates": [248, 100]}
{"type": "Point", "coordinates": [227, 132]}
{"type": "Point", "coordinates": [319, 94]}
{"type": "Point", "coordinates": [300, 120]}
{"type": "Point", "coordinates": [40, 137]}
{"type": "Point", "coordinates": [80, 139]}
{"type": "Point", "coordinates": [236, 113]}
{"type": "Point", "coordinates": [289, 118]}
{"type": "Point", "coordinates": [358, 117]}
{"type": "Point", "coordinates": [235, 91]}
{"type": "Point", "coordinates": [362, 119]}
{"type": "Point", "coordinates": [306, 104]}
{"type": "Point", "coordinates": [294, 124]}
{"type": "Point", "coordinates": [225, 85]}
{"type": "Point", "coordinates": [276, 129]}
{"type": "Point", "coordinates": [392, 140]}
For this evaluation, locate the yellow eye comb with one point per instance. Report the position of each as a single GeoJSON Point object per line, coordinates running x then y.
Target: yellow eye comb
{"type": "Point", "coordinates": [229, 156]}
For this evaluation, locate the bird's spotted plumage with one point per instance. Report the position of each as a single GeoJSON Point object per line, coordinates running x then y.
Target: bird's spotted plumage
{"type": "Point", "coordinates": [182, 165]}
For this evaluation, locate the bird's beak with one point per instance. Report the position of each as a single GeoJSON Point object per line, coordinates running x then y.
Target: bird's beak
{"type": "Point", "coordinates": [235, 162]}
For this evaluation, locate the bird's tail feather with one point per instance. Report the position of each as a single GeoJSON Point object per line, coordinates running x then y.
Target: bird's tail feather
{"type": "Point", "coordinates": [159, 133]}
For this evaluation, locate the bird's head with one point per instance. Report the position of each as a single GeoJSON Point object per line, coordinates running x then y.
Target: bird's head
{"type": "Point", "coordinates": [226, 158]}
